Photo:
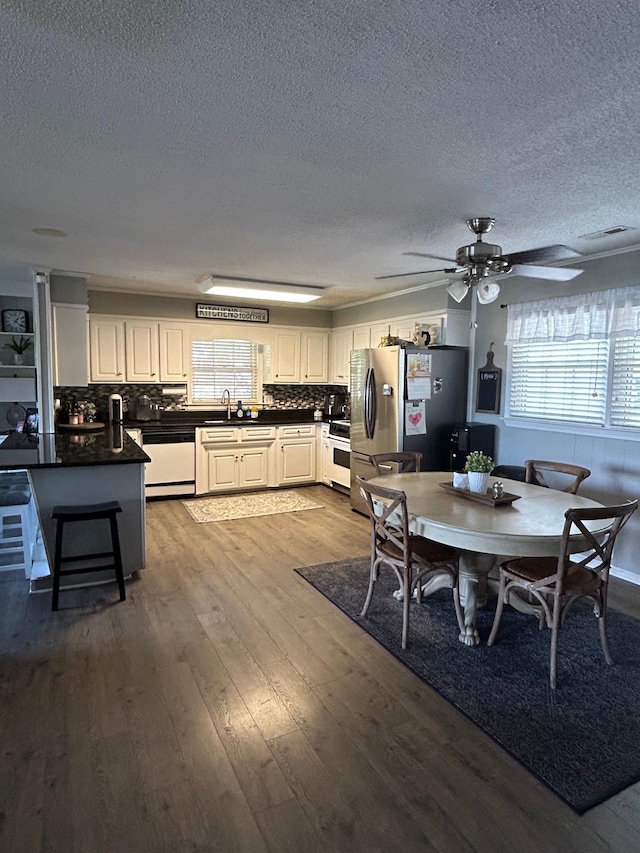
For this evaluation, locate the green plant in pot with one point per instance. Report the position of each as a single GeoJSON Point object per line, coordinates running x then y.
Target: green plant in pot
{"type": "Point", "coordinates": [18, 346]}
{"type": "Point", "coordinates": [478, 466]}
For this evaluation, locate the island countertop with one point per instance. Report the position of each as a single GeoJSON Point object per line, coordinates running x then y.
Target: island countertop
{"type": "Point", "coordinates": [110, 446]}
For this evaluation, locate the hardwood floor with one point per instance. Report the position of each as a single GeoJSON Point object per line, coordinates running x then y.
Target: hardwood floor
{"type": "Point", "coordinates": [227, 706]}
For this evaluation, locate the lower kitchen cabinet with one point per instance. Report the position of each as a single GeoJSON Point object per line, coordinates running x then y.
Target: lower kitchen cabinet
{"type": "Point", "coordinates": [230, 458]}
{"type": "Point", "coordinates": [222, 469]}
{"type": "Point", "coordinates": [255, 457]}
{"type": "Point", "coordinates": [296, 454]}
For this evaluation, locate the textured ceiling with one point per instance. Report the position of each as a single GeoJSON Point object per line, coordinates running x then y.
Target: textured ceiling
{"type": "Point", "coordinates": [311, 141]}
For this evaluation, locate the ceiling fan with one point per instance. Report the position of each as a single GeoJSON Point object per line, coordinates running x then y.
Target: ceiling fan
{"type": "Point", "coordinates": [482, 264]}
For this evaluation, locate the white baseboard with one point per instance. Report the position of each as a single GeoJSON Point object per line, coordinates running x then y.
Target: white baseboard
{"type": "Point", "coordinates": [624, 575]}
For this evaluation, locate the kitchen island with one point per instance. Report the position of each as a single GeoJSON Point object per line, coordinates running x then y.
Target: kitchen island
{"type": "Point", "coordinates": [83, 467]}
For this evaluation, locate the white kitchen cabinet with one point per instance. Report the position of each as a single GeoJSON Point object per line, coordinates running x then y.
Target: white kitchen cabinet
{"type": "Point", "coordinates": [325, 458]}
{"type": "Point", "coordinates": [377, 332]}
{"type": "Point", "coordinates": [70, 344]}
{"type": "Point", "coordinates": [217, 470]}
{"type": "Point", "coordinates": [106, 349]}
{"type": "Point", "coordinates": [301, 357]}
{"type": "Point", "coordinates": [174, 352]}
{"type": "Point", "coordinates": [296, 450]}
{"type": "Point", "coordinates": [341, 345]}
{"type": "Point", "coordinates": [362, 338]}
{"type": "Point", "coordinates": [286, 362]}
{"type": "Point", "coordinates": [314, 353]}
{"type": "Point", "coordinates": [236, 467]}
{"type": "Point", "coordinates": [142, 355]}
{"type": "Point", "coordinates": [232, 458]}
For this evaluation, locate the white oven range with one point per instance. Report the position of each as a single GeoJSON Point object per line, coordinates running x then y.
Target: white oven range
{"type": "Point", "coordinates": [336, 454]}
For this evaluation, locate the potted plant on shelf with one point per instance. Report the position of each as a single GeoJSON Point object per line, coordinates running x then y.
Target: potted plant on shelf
{"type": "Point", "coordinates": [19, 346]}
{"type": "Point", "coordinates": [478, 467]}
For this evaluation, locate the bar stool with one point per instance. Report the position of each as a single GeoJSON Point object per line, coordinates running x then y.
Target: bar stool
{"type": "Point", "coordinates": [91, 512]}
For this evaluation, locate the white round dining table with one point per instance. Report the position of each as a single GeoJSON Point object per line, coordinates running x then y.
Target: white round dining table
{"type": "Point", "coordinates": [530, 526]}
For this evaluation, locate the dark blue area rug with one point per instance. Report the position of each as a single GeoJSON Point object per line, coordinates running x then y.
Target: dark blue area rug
{"type": "Point", "coordinates": [582, 739]}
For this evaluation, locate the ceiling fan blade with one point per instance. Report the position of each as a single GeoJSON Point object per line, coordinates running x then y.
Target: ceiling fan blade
{"type": "Point", "coordinates": [543, 255]}
{"type": "Point", "coordinates": [417, 272]}
{"type": "Point", "coordinates": [551, 273]}
{"type": "Point", "coordinates": [423, 255]}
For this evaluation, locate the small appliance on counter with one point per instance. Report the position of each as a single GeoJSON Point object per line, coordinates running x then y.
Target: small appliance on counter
{"type": "Point", "coordinates": [142, 409]}
{"type": "Point", "coordinates": [334, 407]}
{"type": "Point", "coordinates": [115, 409]}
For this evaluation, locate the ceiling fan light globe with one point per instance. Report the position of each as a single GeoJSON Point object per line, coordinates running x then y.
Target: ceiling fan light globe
{"type": "Point", "coordinates": [487, 292]}
{"type": "Point", "coordinates": [458, 290]}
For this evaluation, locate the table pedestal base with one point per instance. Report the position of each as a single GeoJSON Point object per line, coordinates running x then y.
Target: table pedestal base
{"type": "Point", "coordinates": [472, 579]}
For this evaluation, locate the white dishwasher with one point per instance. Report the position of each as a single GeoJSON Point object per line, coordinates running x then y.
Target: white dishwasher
{"type": "Point", "coordinates": [172, 470]}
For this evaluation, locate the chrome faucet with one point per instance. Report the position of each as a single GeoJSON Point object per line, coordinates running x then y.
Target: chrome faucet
{"type": "Point", "coordinates": [226, 398]}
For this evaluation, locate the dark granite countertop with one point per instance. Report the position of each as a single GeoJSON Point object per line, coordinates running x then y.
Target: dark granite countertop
{"type": "Point", "coordinates": [216, 417]}
{"type": "Point", "coordinates": [110, 446]}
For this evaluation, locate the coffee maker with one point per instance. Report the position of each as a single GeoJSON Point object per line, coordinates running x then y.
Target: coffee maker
{"type": "Point", "coordinates": [142, 408]}
{"type": "Point", "coordinates": [334, 407]}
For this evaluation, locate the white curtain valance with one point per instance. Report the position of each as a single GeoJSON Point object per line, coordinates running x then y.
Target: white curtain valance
{"type": "Point", "coordinates": [583, 316]}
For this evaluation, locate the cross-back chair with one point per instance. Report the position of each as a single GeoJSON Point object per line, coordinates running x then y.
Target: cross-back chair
{"type": "Point", "coordinates": [413, 558]}
{"type": "Point", "coordinates": [535, 468]}
{"type": "Point", "coordinates": [556, 583]}
{"type": "Point", "coordinates": [406, 460]}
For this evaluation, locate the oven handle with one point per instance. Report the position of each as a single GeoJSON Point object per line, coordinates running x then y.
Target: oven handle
{"type": "Point", "coordinates": [370, 403]}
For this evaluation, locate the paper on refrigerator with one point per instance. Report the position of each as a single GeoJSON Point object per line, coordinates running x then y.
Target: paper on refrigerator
{"type": "Point", "coordinates": [419, 376]}
{"type": "Point", "coordinates": [415, 418]}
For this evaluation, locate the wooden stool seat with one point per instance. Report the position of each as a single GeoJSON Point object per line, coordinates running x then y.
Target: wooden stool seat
{"type": "Point", "coordinates": [89, 512]}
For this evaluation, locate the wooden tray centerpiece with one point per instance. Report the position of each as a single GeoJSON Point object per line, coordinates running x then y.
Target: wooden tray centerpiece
{"type": "Point", "coordinates": [487, 499]}
{"type": "Point", "coordinates": [84, 427]}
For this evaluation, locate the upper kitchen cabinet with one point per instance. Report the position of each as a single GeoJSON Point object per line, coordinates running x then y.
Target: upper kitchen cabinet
{"type": "Point", "coordinates": [362, 338]}
{"type": "Point", "coordinates": [342, 342]}
{"type": "Point", "coordinates": [300, 357]}
{"type": "Point", "coordinates": [142, 357]}
{"type": "Point", "coordinates": [174, 352]}
{"type": "Point", "coordinates": [70, 344]}
{"type": "Point", "coordinates": [106, 349]}
{"type": "Point", "coordinates": [341, 346]}
{"type": "Point", "coordinates": [314, 352]}
{"type": "Point", "coordinates": [135, 350]}
{"type": "Point", "coordinates": [286, 360]}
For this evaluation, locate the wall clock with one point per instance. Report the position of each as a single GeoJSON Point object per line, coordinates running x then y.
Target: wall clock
{"type": "Point", "coordinates": [14, 320]}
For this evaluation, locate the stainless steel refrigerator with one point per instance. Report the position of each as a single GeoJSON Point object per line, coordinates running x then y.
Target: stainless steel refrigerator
{"type": "Point", "coordinates": [405, 398]}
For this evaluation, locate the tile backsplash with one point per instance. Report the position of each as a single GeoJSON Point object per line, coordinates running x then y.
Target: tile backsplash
{"type": "Point", "coordinates": [283, 396]}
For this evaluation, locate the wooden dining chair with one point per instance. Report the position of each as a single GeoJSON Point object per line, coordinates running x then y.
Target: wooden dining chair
{"type": "Point", "coordinates": [535, 468]}
{"type": "Point", "coordinates": [413, 558]}
{"type": "Point", "coordinates": [556, 583]}
{"type": "Point", "coordinates": [405, 460]}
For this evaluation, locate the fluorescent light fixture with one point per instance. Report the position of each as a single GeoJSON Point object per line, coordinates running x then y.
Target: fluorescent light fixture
{"type": "Point", "coordinates": [458, 289]}
{"type": "Point", "coordinates": [268, 291]}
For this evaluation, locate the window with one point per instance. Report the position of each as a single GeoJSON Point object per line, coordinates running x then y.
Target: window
{"type": "Point", "coordinates": [577, 359]}
{"type": "Point", "coordinates": [224, 364]}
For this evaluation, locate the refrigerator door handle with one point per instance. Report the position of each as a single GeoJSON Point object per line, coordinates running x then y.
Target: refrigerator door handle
{"type": "Point", "coordinates": [370, 403]}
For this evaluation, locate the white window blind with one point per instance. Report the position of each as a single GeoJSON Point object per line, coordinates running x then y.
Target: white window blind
{"type": "Point", "coordinates": [625, 383]}
{"type": "Point", "coordinates": [222, 365]}
{"type": "Point", "coordinates": [577, 359]}
{"type": "Point", "coordinates": [560, 381]}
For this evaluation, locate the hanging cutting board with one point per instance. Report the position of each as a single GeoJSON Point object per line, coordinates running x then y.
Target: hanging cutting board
{"type": "Point", "coordinates": [488, 387]}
